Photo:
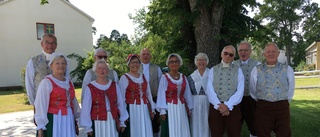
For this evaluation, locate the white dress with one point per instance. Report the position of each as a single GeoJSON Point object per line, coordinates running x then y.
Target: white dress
{"type": "Point", "coordinates": [102, 128]}
{"type": "Point", "coordinates": [63, 125]}
{"type": "Point", "coordinates": [140, 121]}
{"type": "Point", "coordinates": [200, 112]}
{"type": "Point", "coordinates": [178, 120]}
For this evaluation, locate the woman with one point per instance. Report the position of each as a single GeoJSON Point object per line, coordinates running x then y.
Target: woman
{"type": "Point", "coordinates": [198, 86]}
{"type": "Point", "coordinates": [103, 109]}
{"type": "Point", "coordinates": [56, 105]}
{"type": "Point", "coordinates": [90, 75]}
{"type": "Point", "coordinates": [174, 100]}
{"type": "Point", "coordinates": [137, 95]}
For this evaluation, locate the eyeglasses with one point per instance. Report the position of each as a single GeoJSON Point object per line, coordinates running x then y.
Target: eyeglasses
{"type": "Point", "coordinates": [244, 50]}
{"type": "Point", "coordinates": [102, 56]}
{"type": "Point", "coordinates": [227, 53]}
{"type": "Point", "coordinates": [174, 61]}
{"type": "Point", "coordinates": [50, 43]}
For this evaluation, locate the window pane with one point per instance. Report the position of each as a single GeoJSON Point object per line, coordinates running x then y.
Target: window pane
{"type": "Point", "coordinates": [40, 30]}
{"type": "Point", "coordinates": [49, 29]}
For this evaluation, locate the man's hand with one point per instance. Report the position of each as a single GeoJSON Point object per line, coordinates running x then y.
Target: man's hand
{"type": "Point", "coordinates": [222, 108]}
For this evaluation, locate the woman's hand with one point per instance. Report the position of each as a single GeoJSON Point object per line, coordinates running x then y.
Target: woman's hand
{"type": "Point", "coordinates": [122, 129]}
{"type": "Point", "coordinates": [163, 117]}
{"type": "Point", "coordinates": [90, 133]}
{"type": "Point", "coordinates": [40, 133]}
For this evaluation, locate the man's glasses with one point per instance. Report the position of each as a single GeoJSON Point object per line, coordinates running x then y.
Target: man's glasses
{"type": "Point", "coordinates": [102, 56]}
{"type": "Point", "coordinates": [227, 53]}
{"type": "Point", "coordinates": [50, 43]}
{"type": "Point", "coordinates": [244, 50]}
{"type": "Point", "coordinates": [174, 61]}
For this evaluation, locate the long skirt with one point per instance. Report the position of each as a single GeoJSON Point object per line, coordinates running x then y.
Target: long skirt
{"type": "Point", "coordinates": [60, 125]}
{"type": "Point", "coordinates": [102, 128]}
{"type": "Point", "coordinates": [199, 119]}
{"type": "Point", "coordinates": [176, 123]}
{"type": "Point", "coordinates": [139, 122]}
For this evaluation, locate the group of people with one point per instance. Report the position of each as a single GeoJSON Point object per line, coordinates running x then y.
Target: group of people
{"type": "Point", "coordinates": [146, 103]}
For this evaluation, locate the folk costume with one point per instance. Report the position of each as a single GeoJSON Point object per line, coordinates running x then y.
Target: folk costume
{"type": "Point", "coordinates": [103, 109]}
{"type": "Point", "coordinates": [174, 100]}
{"type": "Point", "coordinates": [56, 108]}
{"type": "Point", "coordinates": [225, 85]}
{"type": "Point", "coordinates": [137, 95]}
{"type": "Point", "coordinates": [200, 112]}
{"type": "Point", "coordinates": [272, 86]}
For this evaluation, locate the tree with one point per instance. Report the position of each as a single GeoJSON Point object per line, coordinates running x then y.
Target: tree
{"type": "Point", "coordinates": [193, 26]}
{"type": "Point", "coordinates": [283, 19]}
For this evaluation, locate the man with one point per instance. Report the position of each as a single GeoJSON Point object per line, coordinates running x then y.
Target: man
{"type": "Point", "coordinates": [225, 91]}
{"type": "Point", "coordinates": [37, 67]}
{"type": "Point", "coordinates": [99, 53]}
{"type": "Point", "coordinates": [153, 74]}
{"type": "Point", "coordinates": [247, 104]}
{"type": "Point", "coordinates": [272, 86]}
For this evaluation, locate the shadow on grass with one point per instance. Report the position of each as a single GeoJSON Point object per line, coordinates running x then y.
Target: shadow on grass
{"type": "Point", "coordinates": [11, 92]}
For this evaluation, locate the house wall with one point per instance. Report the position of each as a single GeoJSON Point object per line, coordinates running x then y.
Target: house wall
{"type": "Point", "coordinates": [18, 34]}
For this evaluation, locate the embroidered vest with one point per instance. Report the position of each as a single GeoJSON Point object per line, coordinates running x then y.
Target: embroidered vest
{"type": "Point", "coordinates": [153, 78]}
{"type": "Point", "coordinates": [98, 109]}
{"type": "Point", "coordinates": [94, 76]}
{"type": "Point", "coordinates": [246, 70]}
{"type": "Point", "coordinates": [41, 69]}
{"type": "Point", "coordinates": [272, 83]}
{"type": "Point", "coordinates": [60, 98]}
{"type": "Point", "coordinates": [134, 91]}
{"type": "Point", "coordinates": [225, 81]}
{"type": "Point", "coordinates": [173, 90]}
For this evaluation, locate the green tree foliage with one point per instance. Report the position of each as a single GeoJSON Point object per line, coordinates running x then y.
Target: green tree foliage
{"type": "Point", "coordinates": [293, 25]}
{"type": "Point", "coordinates": [311, 25]}
{"type": "Point", "coordinates": [283, 18]}
{"type": "Point", "coordinates": [192, 26]}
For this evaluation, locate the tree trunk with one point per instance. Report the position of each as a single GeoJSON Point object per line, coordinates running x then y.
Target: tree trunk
{"type": "Point", "coordinates": [207, 27]}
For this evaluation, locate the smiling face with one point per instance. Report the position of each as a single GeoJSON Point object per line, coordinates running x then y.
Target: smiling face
{"type": "Point", "coordinates": [134, 64]}
{"type": "Point", "coordinates": [173, 63]}
{"type": "Point", "coordinates": [101, 69]}
{"type": "Point", "coordinates": [227, 54]}
{"type": "Point", "coordinates": [49, 44]}
{"type": "Point", "coordinates": [271, 53]}
{"type": "Point", "coordinates": [59, 65]}
{"type": "Point", "coordinates": [244, 51]}
{"type": "Point", "coordinates": [201, 63]}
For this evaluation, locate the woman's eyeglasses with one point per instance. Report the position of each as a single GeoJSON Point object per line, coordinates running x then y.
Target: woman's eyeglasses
{"type": "Point", "coordinates": [227, 53]}
{"type": "Point", "coordinates": [102, 56]}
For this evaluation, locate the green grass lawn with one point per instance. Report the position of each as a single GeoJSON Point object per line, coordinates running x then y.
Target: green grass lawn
{"type": "Point", "coordinates": [12, 101]}
{"type": "Point", "coordinates": [301, 82]}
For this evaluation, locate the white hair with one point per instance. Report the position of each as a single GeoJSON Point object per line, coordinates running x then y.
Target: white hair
{"type": "Point", "coordinates": [245, 42]}
{"type": "Point", "coordinates": [100, 61]}
{"type": "Point", "coordinates": [199, 56]}
{"type": "Point", "coordinates": [101, 50]}
{"type": "Point", "coordinates": [56, 56]}
{"type": "Point", "coordinates": [174, 55]}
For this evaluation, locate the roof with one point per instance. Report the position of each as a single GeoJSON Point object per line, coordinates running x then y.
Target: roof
{"type": "Point", "coordinates": [66, 2]}
{"type": "Point", "coordinates": [313, 44]}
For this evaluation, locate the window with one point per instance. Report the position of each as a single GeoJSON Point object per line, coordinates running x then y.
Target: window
{"type": "Point", "coordinates": [44, 28]}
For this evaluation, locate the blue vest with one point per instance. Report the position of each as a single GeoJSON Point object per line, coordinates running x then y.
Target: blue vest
{"type": "Point", "coordinates": [272, 82]}
{"type": "Point", "coordinates": [246, 70]}
{"type": "Point", "coordinates": [225, 81]}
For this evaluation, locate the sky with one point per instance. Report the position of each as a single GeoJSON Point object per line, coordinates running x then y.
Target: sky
{"type": "Point", "coordinates": [111, 14]}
